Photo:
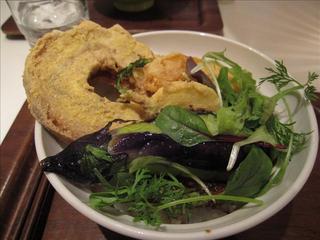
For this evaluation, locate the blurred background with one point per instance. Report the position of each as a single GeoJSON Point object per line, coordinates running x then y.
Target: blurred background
{"type": "Point", "coordinates": [287, 30]}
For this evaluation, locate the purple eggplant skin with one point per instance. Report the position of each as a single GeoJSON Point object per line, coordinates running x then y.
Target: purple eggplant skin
{"type": "Point", "coordinates": [199, 76]}
{"type": "Point", "coordinates": [68, 162]}
{"type": "Point", "coordinates": [143, 144]}
{"type": "Point", "coordinates": [212, 155]}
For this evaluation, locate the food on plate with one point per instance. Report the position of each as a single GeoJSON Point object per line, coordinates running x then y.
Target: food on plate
{"type": "Point", "coordinates": [207, 142]}
{"type": "Point", "coordinates": [60, 97]}
{"type": "Point", "coordinates": [162, 71]}
{"type": "Point", "coordinates": [176, 93]}
{"type": "Point", "coordinates": [56, 78]}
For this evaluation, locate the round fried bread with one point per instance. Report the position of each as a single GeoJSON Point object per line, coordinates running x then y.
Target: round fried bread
{"type": "Point", "coordinates": [56, 78]}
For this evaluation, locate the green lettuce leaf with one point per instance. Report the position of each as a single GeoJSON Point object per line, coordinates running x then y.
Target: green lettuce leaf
{"type": "Point", "coordinates": [183, 126]}
{"type": "Point", "coordinates": [251, 176]}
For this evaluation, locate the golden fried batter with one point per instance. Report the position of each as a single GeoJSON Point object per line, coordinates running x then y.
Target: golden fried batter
{"type": "Point", "coordinates": [56, 73]}
{"type": "Point", "coordinates": [59, 66]}
{"type": "Point", "coordinates": [177, 93]}
{"type": "Point", "coordinates": [160, 72]}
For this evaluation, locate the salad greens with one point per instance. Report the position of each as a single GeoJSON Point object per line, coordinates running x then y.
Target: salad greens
{"type": "Point", "coordinates": [160, 171]}
{"type": "Point", "coordinates": [149, 196]}
{"type": "Point", "coordinates": [261, 134]}
{"type": "Point", "coordinates": [280, 78]}
{"type": "Point", "coordinates": [251, 175]}
{"type": "Point", "coordinates": [183, 126]}
{"type": "Point", "coordinates": [146, 161]}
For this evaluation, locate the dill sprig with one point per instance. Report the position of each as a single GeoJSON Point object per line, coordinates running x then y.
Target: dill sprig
{"type": "Point", "coordinates": [281, 78]}
{"type": "Point", "coordinates": [151, 198]}
{"type": "Point", "coordinates": [310, 90]}
{"type": "Point", "coordinates": [283, 132]}
{"type": "Point", "coordinates": [143, 195]}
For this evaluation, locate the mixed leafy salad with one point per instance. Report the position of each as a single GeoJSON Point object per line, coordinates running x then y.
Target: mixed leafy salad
{"type": "Point", "coordinates": [163, 170]}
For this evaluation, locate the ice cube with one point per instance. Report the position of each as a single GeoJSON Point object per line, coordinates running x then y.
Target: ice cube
{"type": "Point", "coordinates": [52, 14]}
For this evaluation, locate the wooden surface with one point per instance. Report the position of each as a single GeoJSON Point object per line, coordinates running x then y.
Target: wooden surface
{"type": "Point", "coordinates": [199, 15]}
{"type": "Point", "coordinates": [23, 186]}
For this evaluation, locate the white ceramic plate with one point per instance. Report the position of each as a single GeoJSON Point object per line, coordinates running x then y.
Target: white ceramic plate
{"type": "Point", "coordinates": [196, 44]}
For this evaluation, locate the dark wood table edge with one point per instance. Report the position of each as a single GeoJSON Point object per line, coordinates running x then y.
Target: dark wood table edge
{"type": "Point", "coordinates": [24, 188]}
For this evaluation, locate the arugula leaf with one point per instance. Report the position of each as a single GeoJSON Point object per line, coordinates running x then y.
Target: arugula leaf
{"type": "Point", "coordinates": [259, 135]}
{"type": "Point", "coordinates": [228, 95]}
{"type": "Point", "coordinates": [183, 126]}
{"type": "Point", "coordinates": [242, 110]}
{"type": "Point", "coordinates": [280, 167]}
{"type": "Point", "coordinates": [251, 176]}
{"type": "Point", "coordinates": [278, 172]}
{"type": "Point", "coordinates": [127, 72]}
{"type": "Point", "coordinates": [248, 105]}
{"type": "Point", "coordinates": [219, 56]}
{"type": "Point", "coordinates": [240, 75]}
{"type": "Point", "coordinates": [270, 103]}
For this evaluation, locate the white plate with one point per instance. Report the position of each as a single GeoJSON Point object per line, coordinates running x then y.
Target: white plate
{"type": "Point", "coordinates": [196, 44]}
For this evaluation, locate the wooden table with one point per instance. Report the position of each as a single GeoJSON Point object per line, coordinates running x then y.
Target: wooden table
{"type": "Point", "coordinates": [31, 209]}
{"type": "Point", "coordinates": [198, 15]}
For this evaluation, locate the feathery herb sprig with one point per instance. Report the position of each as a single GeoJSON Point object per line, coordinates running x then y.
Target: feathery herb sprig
{"type": "Point", "coordinates": [283, 133]}
{"type": "Point", "coordinates": [281, 78]}
{"type": "Point", "coordinates": [310, 90]}
{"type": "Point", "coordinates": [150, 198]}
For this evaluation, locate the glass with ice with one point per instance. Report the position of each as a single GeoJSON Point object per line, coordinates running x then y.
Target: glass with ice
{"type": "Point", "coordinates": [37, 17]}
